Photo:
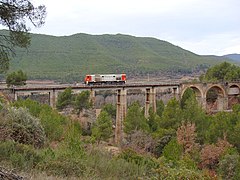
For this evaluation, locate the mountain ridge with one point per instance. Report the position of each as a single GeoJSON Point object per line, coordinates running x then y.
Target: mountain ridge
{"type": "Point", "coordinates": [69, 58]}
{"type": "Point", "coordinates": [234, 57]}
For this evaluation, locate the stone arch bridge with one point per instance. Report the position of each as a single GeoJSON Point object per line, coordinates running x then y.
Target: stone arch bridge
{"type": "Point", "coordinates": [214, 97]}
{"type": "Point", "coordinates": [211, 96]}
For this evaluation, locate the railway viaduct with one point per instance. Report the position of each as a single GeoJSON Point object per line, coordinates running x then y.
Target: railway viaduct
{"type": "Point", "coordinates": [225, 95]}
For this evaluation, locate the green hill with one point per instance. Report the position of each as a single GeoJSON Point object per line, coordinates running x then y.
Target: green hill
{"type": "Point", "coordinates": [69, 58]}
{"type": "Point", "coordinates": [234, 57]}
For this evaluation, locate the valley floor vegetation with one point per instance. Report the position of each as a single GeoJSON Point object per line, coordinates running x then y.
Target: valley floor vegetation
{"type": "Point", "coordinates": [178, 141]}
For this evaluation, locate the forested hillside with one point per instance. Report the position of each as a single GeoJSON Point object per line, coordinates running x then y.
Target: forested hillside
{"type": "Point", "coordinates": [69, 58]}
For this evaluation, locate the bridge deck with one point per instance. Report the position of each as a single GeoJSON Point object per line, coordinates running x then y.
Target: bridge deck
{"type": "Point", "coordinates": [88, 87]}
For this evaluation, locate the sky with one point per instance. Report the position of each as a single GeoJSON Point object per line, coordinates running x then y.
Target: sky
{"type": "Point", "coordinates": [205, 27]}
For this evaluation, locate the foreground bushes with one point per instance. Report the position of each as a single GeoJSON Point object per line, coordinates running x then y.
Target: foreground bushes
{"type": "Point", "coordinates": [52, 122]}
{"type": "Point", "coordinates": [20, 126]}
{"type": "Point", "coordinates": [19, 155]}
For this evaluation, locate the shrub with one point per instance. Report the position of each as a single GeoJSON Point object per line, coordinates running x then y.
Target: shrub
{"type": "Point", "coordinates": [211, 153]}
{"type": "Point", "coordinates": [65, 165]}
{"type": "Point", "coordinates": [140, 142]}
{"type": "Point", "coordinates": [67, 159]}
{"type": "Point", "coordinates": [165, 172]}
{"type": "Point", "coordinates": [23, 127]}
{"type": "Point", "coordinates": [140, 160]}
{"type": "Point", "coordinates": [228, 166]}
{"type": "Point", "coordinates": [101, 165]}
{"type": "Point", "coordinates": [19, 155]}
{"type": "Point", "coordinates": [173, 151]}
{"type": "Point", "coordinates": [52, 122]}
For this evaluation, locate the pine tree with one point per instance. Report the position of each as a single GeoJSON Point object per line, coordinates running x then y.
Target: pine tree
{"type": "Point", "coordinates": [102, 129]}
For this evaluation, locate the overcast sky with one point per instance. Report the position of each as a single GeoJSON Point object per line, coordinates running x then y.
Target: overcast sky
{"type": "Point", "coordinates": [201, 26]}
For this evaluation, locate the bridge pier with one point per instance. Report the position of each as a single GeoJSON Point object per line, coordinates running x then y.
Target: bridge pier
{"type": "Point", "coordinates": [175, 92]}
{"type": "Point", "coordinates": [222, 103]}
{"type": "Point", "coordinates": [150, 100]}
{"type": "Point", "coordinates": [92, 97]}
{"type": "Point", "coordinates": [52, 98]}
{"type": "Point", "coordinates": [121, 114]}
{"type": "Point", "coordinates": [204, 103]}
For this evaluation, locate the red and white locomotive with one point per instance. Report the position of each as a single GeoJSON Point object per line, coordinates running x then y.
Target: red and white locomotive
{"type": "Point", "coordinates": [105, 79]}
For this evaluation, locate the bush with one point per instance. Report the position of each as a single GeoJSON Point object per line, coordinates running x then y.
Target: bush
{"type": "Point", "coordinates": [173, 151]}
{"type": "Point", "coordinates": [228, 166]}
{"type": "Point", "coordinates": [19, 155]}
{"type": "Point", "coordinates": [22, 127]}
{"type": "Point", "coordinates": [167, 173]}
{"type": "Point", "coordinates": [101, 165]}
{"type": "Point", "coordinates": [140, 160]}
{"type": "Point", "coordinates": [52, 122]}
{"type": "Point", "coordinates": [67, 159]}
{"type": "Point", "coordinates": [65, 165]}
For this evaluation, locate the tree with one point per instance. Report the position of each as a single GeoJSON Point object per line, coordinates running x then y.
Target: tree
{"type": "Point", "coordinates": [186, 136]}
{"type": "Point", "coordinates": [189, 93]}
{"type": "Point", "coordinates": [220, 126]}
{"type": "Point", "coordinates": [16, 78]}
{"type": "Point", "coordinates": [173, 151]}
{"type": "Point", "coordinates": [153, 120]}
{"type": "Point", "coordinates": [110, 109]}
{"type": "Point", "coordinates": [193, 112]}
{"type": "Point", "coordinates": [102, 129]}
{"type": "Point", "coordinates": [160, 107]}
{"type": "Point", "coordinates": [135, 119]}
{"type": "Point", "coordinates": [16, 15]}
{"type": "Point", "coordinates": [82, 101]}
{"type": "Point", "coordinates": [64, 98]}
{"type": "Point", "coordinates": [171, 117]}
{"type": "Point", "coordinates": [222, 72]}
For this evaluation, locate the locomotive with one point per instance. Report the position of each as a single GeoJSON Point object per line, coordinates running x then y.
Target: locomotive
{"type": "Point", "coordinates": [99, 79]}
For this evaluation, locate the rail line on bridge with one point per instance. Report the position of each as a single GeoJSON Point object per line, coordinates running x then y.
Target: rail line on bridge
{"type": "Point", "coordinates": [89, 87]}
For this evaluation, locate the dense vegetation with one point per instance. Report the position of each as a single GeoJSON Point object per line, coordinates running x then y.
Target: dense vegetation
{"type": "Point", "coordinates": [180, 141]}
{"type": "Point", "coordinates": [222, 72]}
{"type": "Point", "coordinates": [69, 58]}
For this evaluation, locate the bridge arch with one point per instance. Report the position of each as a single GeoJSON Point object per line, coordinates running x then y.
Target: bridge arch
{"type": "Point", "coordinates": [234, 86]}
{"type": "Point", "coordinates": [233, 95]}
{"type": "Point", "coordinates": [216, 98]}
{"type": "Point", "coordinates": [198, 92]}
